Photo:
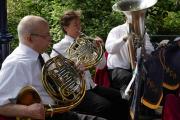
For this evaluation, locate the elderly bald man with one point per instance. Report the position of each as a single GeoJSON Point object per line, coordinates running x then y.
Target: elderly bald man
{"type": "Point", "coordinates": [22, 67]}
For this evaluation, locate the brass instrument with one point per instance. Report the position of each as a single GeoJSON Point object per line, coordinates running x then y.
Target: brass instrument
{"type": "Point", "coordinates": [63, 82]}
{"type": "Point", "coordinates": [86, 50]}
{"type": "Point", "coordinates": [135, 12]}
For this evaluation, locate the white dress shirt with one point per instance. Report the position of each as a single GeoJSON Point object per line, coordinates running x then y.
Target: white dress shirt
{"type": "Point", "coordinates": [118, 55]}
{"type": "Point", "coordinates": [21, 68]}
{"type": "Point", "coordinates": [62, 47]}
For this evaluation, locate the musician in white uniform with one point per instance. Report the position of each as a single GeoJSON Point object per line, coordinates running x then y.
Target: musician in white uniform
{"type": "Point", "coordinates": [22, 67]}
{"type": "Point", "coordinates": [100, 101]}
{"type": "Point", "coordinates": [118, 60]}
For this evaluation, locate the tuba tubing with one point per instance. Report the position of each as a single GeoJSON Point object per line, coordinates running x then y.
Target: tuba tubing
{"type": "Point", "coordinates": [132, 51]}
{"type": "Point", "coordinates": [134, 11]}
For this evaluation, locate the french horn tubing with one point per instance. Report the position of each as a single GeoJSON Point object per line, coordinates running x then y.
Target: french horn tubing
{"type": "Point", "coordinates": [62, 81]}
{"type": "Point", "coordinates": [86, 50]}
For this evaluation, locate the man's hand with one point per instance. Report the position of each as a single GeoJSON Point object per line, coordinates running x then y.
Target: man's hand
{"type": "Point", "coordinates": [99, 40]}
{"type": "Point", "coordinates": [80, 66]}
{"type": "Point", "coordinates": [36, 111]}
{"type": "Point", "coordinates": [131, 36]}
{"type": "Point", "coordinates": [163, 43]}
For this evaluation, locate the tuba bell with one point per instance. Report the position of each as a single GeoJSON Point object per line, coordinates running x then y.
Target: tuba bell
{"type": "Point", "coordinates": [86, 50]}
{"type": "Point", "coordinates": [62, 81]}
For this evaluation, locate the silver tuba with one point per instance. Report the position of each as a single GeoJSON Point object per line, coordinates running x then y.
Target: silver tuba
{"type": "Point", "coordinates": [135, 11]}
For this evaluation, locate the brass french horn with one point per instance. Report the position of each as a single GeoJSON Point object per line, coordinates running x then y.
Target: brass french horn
{"type": "Point", "coordinates": [63, 82]}
{"type": "Point", "coordinates": [86, 50]}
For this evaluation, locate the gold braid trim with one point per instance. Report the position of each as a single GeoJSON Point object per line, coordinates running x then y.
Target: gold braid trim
{"type": "Point", "coordinates": [150, 105]}
{"type": "Point", "coordinates": [170, 87]}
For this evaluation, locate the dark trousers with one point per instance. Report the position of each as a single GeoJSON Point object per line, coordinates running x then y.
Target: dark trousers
{"type": "Point", "coordinates": [73, 116]}
{"type": "Point", "coordinates": [119, 78]}
{"type": "Point", "coordinates": [104, 102]}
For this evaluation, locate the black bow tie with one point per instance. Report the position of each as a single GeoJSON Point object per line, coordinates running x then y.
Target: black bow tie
{"type": "Point", "coordinates": [41, 60]}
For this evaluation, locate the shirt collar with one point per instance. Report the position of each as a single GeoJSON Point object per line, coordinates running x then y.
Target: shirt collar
{"type": "Point", "coordinates": [29, 51]}
{"type": "Point", "coordinates": [69, 38]}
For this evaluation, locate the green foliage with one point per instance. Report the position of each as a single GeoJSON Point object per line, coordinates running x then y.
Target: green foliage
{"type": "Point", "coordinates": [16, 10]}
{"type": "Point", "coordinates": [98, 18]}
{"type": "Point", "coordinates": [58, 8]}
{"type": "Point", "coordinates": [172, 23]}
{"type": "Point", "coordinates": [164, 18]}
{"type": "Point", "coordinates": [50, 10]}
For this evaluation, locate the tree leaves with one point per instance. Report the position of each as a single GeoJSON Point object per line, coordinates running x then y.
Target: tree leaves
{"type": "Point", "coordinates": [98, 18]}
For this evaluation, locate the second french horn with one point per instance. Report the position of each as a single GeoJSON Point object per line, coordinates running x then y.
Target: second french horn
{"type": "Point", "coordinates": [86, 50]}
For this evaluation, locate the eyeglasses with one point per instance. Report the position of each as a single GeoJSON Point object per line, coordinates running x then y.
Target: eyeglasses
{"type": "Point", "coordinates": [41, 35]}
